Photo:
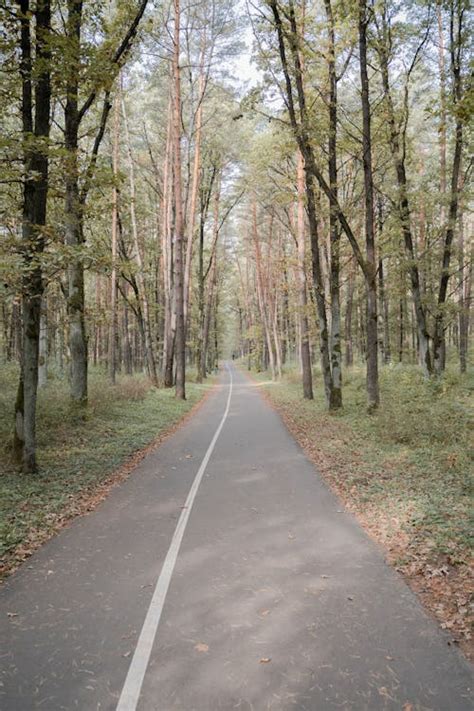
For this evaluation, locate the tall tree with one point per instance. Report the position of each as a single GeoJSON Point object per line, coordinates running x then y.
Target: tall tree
{"type": "Point", "coordinates": [180, 338]}
{"type": "Point", "coordinates": [457, 12]}
{"type": "Point", "coordinates": [142, 293]}
{"type": "Point", "coordinates": [35, 69]}
{"type": "Point", "coordinates": [77, 194]}
{"type": "Point", "coordinates": [301, 128]}
{"type": "Point", "coordinates": [371, 264]}
{"type": "Point", "coordinates": [303, 294]}
{"type": "Point", "coordinates": [334, 227]}
{"type": "Point", "coordinates": [114, 243]}
{"type": "Point", "coordinates": [398, 148]}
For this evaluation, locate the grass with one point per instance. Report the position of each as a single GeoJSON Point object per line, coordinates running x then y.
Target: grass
{"type": "Point", "coordinates": [76, 456]}
{"type": "Point", "coordinates": [405, 471]}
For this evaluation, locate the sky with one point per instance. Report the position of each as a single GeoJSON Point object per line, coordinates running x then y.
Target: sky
{"type": "Point", "coordinates": [242, 68]}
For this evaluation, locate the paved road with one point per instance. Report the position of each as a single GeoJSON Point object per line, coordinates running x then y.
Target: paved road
{"type": "Point", "coordinates": [277, 600]}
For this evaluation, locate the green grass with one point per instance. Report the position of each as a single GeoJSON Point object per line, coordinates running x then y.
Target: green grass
{"type": "Point", "coordinates": [409, 465]}
{"type": "Point", "coordinates": [76, 455]}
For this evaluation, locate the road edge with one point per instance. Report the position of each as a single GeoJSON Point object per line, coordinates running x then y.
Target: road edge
{"type": "Point", "coordinates": [89, 500]}
{"type": "Point", "coordinates": [463, 648]}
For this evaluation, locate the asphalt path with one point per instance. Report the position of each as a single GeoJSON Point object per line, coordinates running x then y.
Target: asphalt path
{"type": "Point", "coordinates": [223, 574]}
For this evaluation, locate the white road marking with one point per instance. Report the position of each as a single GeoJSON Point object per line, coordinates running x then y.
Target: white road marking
{"type": "Point", "coordinates": [133, 683]}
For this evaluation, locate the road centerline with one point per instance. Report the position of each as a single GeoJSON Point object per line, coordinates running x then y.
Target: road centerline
{"type": "Point", "coordinates": [136, 673]}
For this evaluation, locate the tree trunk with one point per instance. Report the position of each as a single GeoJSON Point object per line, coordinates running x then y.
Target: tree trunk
{"type": "Point", "coordinates": [35, 192]}
{"type": "Point", "coordinates": [194, 189]}
{"type": "Point", "coordinates": [180, 338]}
{"type": "Point", "coordinates": [371, 282]}
{"type": "Point", "coordinates": [387, 356]}
{"type": "Point", "coordinates": [113, 274]}
{"type": "Point", "coordinates": [442, 113]}
{"type": "Point", "coordinates": [140, 277]}
{"type": "Point", "coordinates": [261, 290]}
{"type": "Point", "coordinates": [73, 212]}
{"type": "Point", "coordinates": [208, 316]}
{"type": "Point", "coordinates": [307, 375]}
{"type": "Point", "coordinates": [43, 345]}
{"type": "Point", "coordinates": [464, 314]}
{"type": "Point", "coordinates": [348, 317]}
{"type": "Point", "coordinates": [201, 305]}
{"type": "Point", "coordinates": [127, 348]}
{"type": "Point", "coordinates": [456, 43]}
{"type": "Point", "coordinates": [401, 329]}
{"type": "Point", "coordinates": [334, 229]}
{"type": "Point", "coordinates": [167, 261]}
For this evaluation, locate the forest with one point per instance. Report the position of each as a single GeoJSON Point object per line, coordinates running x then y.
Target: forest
{"type": "Point", "coordinates": [283, 183]}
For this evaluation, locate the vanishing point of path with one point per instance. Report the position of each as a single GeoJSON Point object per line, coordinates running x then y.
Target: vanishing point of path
{"type": "Point", "coordinates": [250, 589]}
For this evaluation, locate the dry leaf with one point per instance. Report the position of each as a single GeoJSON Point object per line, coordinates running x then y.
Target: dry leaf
{"type": "Point", "coordinates": [265, 660]}
{"type": "Point", "coordinates": [264, 613]}
{"type": "Point", "coordinates": [201, 647]}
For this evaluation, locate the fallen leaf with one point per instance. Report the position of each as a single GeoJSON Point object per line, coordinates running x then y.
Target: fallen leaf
{"type": "Point", "coordinates": [201, 647]}
{"type": "Point", "coordinates": [407, 706]}
{"type": "Point", "coordinates": [349, 597]}
{"type": "Point", "coordinates": [126, 654]}
{"type": "Point", "coordinates": [264, 613]}
{"type": "Point", "coordinates": [325, 576]}
{"type": "Point", "coordinates": [265, 660]}
{"type": "Point", "coordinates": [12, 614]}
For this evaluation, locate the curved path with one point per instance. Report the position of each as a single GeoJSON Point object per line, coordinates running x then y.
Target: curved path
{"type": "Point", "coordinates": [249, 589]}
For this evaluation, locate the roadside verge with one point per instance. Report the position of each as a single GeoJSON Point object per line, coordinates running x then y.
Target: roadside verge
{"type": "Point", "coordinates": [81, 461]}
{"type": "Point", "coordinates": [403, 473]}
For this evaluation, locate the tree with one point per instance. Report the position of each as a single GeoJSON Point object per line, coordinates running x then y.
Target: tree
{"type": "Point", "coordinates": [371, 264]}
{"type": "Point", "coordinates": [180, 335]}
{"type": "Point", "coordinates": [457, 12]}
{"type": "Point", "coordinates": [76, 194]}
{"type": "Point", "coordinates": [398, 149]}
{"type": "Point", "coordinates": [301, 128]}
{"type": "Point", "coordinates": [35, 70]}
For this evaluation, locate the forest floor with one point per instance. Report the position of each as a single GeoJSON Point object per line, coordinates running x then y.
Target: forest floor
{"type": "Point", "coordinates": [404, 472]}
{"type": "Point", "coordinates": [80, 459]}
